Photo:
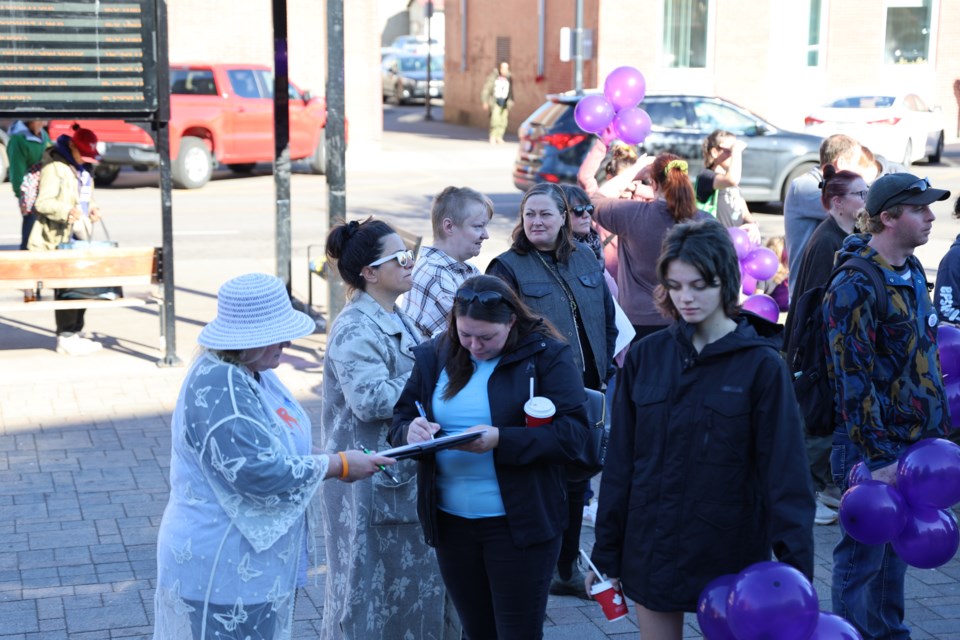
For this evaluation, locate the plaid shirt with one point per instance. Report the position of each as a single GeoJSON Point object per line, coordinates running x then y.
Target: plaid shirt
{"type": "Point", "coordinates": [436, 278]}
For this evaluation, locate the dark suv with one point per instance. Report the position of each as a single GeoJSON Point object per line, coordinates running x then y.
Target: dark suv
{"type": "Point", "coordinates": [552, 146]}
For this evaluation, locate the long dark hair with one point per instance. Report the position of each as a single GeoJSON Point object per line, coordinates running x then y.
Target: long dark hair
{"type": "Point", "coordinates": [459, 365]}
{"type": "Point", "coordinates": [353, 245]}
{"type": "Point", "coordinates": [673, 182]}
{"type": "Point", "coordinates": [565, 244]}
{"type": "Point", "coordinates": [705, 245]}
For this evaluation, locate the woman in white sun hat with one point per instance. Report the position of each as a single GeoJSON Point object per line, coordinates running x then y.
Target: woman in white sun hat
{"type": "Point", "coordinates": [235, 536]}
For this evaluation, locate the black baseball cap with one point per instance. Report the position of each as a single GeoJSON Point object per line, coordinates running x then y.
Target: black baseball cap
{"type": "Point", "coordinates": [901, 188]}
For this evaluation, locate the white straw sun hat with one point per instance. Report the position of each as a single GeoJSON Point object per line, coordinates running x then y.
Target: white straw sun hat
{"type": "Point", "coordinates": [254, 310]}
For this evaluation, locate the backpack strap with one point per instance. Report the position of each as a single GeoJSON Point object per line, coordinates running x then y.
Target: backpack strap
{"type": "Point", "coordinates": [873, 274]}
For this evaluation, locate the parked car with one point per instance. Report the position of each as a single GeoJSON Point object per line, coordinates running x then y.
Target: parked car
{"type": "Point", "coordinates": [552, 146]}
{"type": "Point", "coordinates": [899, 127]}
{"type": "Point", "coordinates": [219, 114]}
{"type": "Point", "coordinates": [416, 44]}
{"type": "Point", "coordinates": [405, 77]}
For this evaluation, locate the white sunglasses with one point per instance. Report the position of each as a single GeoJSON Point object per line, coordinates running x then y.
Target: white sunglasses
{"type": "Point", "coordinates": [403, 258]}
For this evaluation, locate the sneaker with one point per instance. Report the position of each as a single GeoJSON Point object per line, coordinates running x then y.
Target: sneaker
{"type": "Point", "coordinates": [571, 587]}
{"type": "Point", "coordinates": [830, 497]}
{"type": "Point", "coordinates": [825, 515]}
{"type": "Point", "coordinates": [590, 514]}
{"type": "Point", "coordinates": [76, 345]}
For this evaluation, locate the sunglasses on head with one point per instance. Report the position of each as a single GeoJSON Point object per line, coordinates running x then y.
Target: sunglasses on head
{"type": "Point", "coordinates": [582, 210]}
{"type": "Point", "coordinates": [919, 186]}
{"type": "Point", "coordinates": [486, 298]}
{"type": "Point", "coordinates": [403, 258]}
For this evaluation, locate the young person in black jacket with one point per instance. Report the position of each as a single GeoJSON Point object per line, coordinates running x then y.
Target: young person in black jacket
{"type": "Point", "coordinates": [705, 473]}
{"type": "Point", "coordinates": [494, 509]}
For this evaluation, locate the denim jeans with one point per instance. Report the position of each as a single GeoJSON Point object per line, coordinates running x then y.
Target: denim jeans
{"type": "Point", "coordinates": [868, 587]}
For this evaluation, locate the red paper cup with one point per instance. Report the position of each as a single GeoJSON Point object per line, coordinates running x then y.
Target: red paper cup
{"type": "Point", "coordinates": [611, 599]}
{"type": "Point", "coordinates": [539, 411]}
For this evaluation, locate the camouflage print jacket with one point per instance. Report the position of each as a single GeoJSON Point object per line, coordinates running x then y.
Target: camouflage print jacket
{"type": "Point", "coordinates": [884, 364]}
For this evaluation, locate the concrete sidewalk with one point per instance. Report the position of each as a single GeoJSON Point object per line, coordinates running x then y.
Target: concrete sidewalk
{"type": "Point", "coordinates": [84, 455]}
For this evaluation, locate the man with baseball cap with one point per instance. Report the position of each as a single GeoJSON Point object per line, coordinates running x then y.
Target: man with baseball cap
{"type": "Point", "coordinates": [888, 387]}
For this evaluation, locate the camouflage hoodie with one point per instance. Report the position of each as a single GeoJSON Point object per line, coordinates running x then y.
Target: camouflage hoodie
{"type": "Point", "coordinates": [884, 364]}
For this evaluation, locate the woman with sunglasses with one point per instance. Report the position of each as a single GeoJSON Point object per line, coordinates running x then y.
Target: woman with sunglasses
{"type": "Point", "coordinates": [372, 539]}
{"type": "Point", "coordinates": [702, 476]}
{"type": "Point", "coordinates": [494, 509]}
{"type": "Point", "coordinates": [718, 183]}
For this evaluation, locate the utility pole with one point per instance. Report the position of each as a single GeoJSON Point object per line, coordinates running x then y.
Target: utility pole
{"type": "Point", "coordinates": [578, 49]}
{"type": "Point", "coordinates": [281, 140]}
{"type": "Point", "coordinates": [336, 174]}
{"type": "Point", "coordinates": [429, 12]}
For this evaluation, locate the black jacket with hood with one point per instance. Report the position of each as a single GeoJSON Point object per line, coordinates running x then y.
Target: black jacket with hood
{"type": "Point", "coordinates": [529, 462]}
{"type": "Point", "coordinates": [706, 472]}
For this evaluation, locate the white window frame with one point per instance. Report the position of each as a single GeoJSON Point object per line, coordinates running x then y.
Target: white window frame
{"type": "Point", "coordinates": [931, 36]}
{"type": "Point", "coordinates": [711, 34]}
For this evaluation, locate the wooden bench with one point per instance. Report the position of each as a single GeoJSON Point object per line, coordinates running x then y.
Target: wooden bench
{"type": "Point", "coordinates": [44, 271]}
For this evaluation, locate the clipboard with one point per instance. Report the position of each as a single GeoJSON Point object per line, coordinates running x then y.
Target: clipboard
{"type": "Point", "coordinates": [417, 449]}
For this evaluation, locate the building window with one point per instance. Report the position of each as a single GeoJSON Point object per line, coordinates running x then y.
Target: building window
{"type": "Point", "coordinates": [503, 50]}
{"type": "Point", "coordinates": [685, 33]}
{"type": "Point", "coordinates": [813, 34]}
{"type": "Point", "coordinates": [908, 32]}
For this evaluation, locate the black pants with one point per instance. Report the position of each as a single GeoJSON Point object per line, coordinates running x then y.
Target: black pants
{"type": "Point", "coordinates": [500, 591]}
{"type": "Point", "coordinates": [25, 228]}
{"type": "Point", "coordinates": [570, 548]}
{"type": "Point", "coordinates": [69, 321]}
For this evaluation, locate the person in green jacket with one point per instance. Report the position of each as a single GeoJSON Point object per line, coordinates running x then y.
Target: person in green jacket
{"type": "Point", "coordinates": [28, 140]}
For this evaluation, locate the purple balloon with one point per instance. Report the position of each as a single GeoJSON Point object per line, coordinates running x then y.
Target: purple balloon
{"type": "Point", "coordinates": [632, 125]}
{"type": "Point", "coordinates": [624, 87]}
{"type": "Point", "coordinates": [741, 241]}
{"type": "Point", "coordinates": [762, 305]}
{"type": "Point", "coordinates": [762, 263]}
{"type": "Point", "coordinates": [873, 512]}
{"type": "Point", "coordinates": [859, 474]}
{"type": "Point", "coordinates": [772, 600]}
{"type": "Point", "coordinates": [712, 608]}
{"type": "Point", "coordinates": [929, 540]}
{"type": "Point", "coordinates": [929, 474]}
{"type": "Point", "coordinates": [593, 114]}
{"type": "Point", "coordinates": [749, 285]}
{"type": "Point", "coordinates": [832, 627]}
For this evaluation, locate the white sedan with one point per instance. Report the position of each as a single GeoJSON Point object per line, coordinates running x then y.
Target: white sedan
{"type": "Point", "coordinates": [901, 128]}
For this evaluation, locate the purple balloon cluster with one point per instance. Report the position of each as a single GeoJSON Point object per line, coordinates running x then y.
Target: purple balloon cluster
{"type": "Point", "coordinates": [623, 90]}
{"type": "Point", "coordinates": [914, 515]}
{"type": "Point", "coordinates": [767, 601]}
{"type": "Point", "coordinates": [756, 263]}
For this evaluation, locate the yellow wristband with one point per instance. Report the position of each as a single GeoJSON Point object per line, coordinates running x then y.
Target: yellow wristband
{"type": "Point", "coordinates": [346, 465]}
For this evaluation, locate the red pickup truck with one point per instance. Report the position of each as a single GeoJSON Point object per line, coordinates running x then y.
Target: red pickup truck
{"type": "Point", "coordinates": [219, 114]}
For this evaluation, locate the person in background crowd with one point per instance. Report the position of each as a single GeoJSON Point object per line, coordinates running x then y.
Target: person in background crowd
{"type": "Point", "coordinates": [718, 183]}
{"type": "Point", "coordinates": [495, 508]}
{"type": "Point", "coordinates": [701, 477]}
{"type": "Point", "coordinates": [777, 286]}
{"type": "Point", "coordinates": [235, 536]}
{"type": "Point", "coordinates": [460, 216]}
{"type": "Point", "coordinates": [946, 292]}
{"type": "Point", "coordinates": [66, 211]}
{"type": "Point", "coordinates": [562, 281]}
{"type": "Point", "coordinates": [25, 146]}
{"type": "Point", "coordinates": [382, 580]}
{"type": "Point", "coordinates": [887, 380]}
{"type": "Point", "coordinates": [843, 195]}
{"type": "Point", "coordinates": [640, 227]}
{"type": "Point", "coordinates": [802, 209]}
{"type": "Point", "coordinates": [497, 99]}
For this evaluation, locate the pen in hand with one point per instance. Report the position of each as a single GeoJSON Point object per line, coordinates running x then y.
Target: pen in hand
{"type": "Point", "coordinates": [381, 467]}
{"type": "Point", "coordinates": [423, 414]}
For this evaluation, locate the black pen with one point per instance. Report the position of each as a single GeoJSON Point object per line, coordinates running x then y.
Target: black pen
{"type": "Point", "coordinates": [423, 414]}
{"type": "Point", "coordinates": [382, 467]}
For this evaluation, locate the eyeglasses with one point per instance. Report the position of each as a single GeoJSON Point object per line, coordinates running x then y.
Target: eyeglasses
{"type": "Point", "coordinates": [860, 194]}
{"type": "Point", "coordinates": [582, 210]}
{"type": "Point", "coordinates": [488, 299]}
{"type": "Point", "coordinates": [919, 186]}
{"type": "Point", "coordinates": [403, 258]}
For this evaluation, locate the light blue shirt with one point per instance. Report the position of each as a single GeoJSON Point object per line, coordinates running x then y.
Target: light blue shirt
{"type": "Point", "coordinates": [467, 482]}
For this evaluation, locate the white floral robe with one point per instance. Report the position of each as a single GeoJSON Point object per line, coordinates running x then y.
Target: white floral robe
{"type": "Point", "coordinates": [382, 579]}
{"type": "Point", "coordinates": [234, 535]}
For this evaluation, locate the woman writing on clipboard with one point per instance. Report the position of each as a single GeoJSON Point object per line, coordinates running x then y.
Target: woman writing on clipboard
{"type": "Point", "coordinates": [494, 508]}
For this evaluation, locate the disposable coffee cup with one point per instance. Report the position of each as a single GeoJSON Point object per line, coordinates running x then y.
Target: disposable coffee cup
{"type": "Point", "coordinates": [539, 411]}
{"type": "Point", "coordinates": [611, 599]}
